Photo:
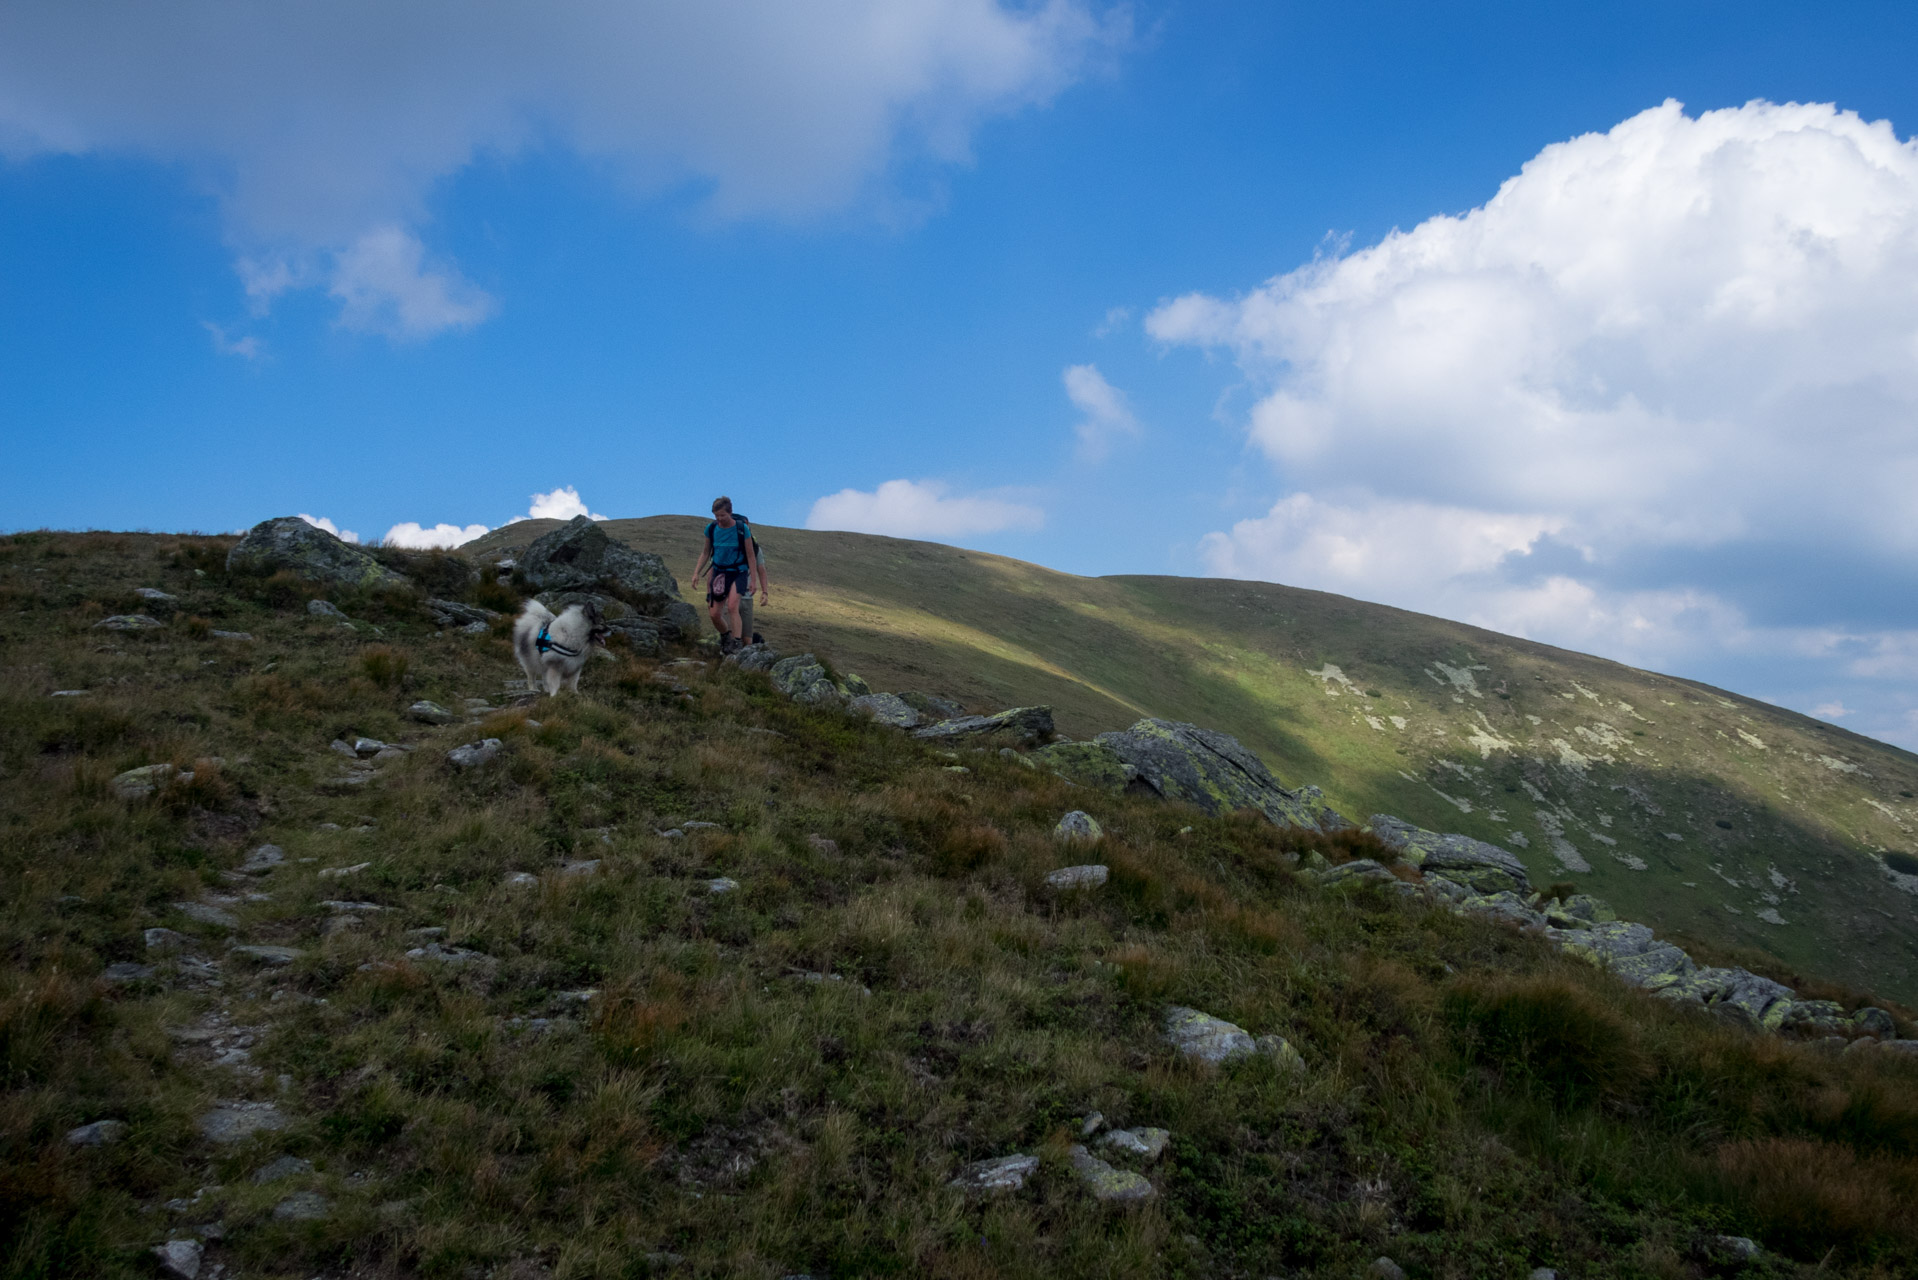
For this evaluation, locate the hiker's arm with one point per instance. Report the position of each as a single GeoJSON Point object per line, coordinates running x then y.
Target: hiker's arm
{"type": "Point", "coordinates": [759, 572]}
{"type": "Point", "coordinates": [704, 554]}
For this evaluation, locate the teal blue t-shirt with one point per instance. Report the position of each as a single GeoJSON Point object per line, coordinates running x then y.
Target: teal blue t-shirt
{"type": "Point", "coordinates": [729, 545]}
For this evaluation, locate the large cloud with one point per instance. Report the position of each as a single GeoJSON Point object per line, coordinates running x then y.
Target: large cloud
{"type": "Point", "coordinates": [323, 127]}
{"type": "Point", "coordinates": [921, 509]}
{"type": "Point", "coordinates": [1659, 394]}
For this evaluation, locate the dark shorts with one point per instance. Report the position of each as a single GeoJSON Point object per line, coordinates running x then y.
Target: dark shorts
{"type": "Point", "coordinates": [724, 582]}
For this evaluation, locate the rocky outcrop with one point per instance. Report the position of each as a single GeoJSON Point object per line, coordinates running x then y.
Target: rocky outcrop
{"type": "Point", "coordinates": [579, 556]}
{"type": "Point", "coordinates": [290, 543]}
{"type": "Point", "coordinates": [1090, 764]}
{"type": "Point", "coordinates": [887, 708]}
{"type": "Point", "coordinates": [1026, 724]}
{"type": "Point", "coordinates": [803, 678]}
{"type": "Point", "coordinates": [1215, 772]}
{"type": "Point", "coordinates": [1483, 867]}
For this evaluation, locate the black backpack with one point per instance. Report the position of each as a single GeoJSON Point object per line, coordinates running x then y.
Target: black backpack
{"type": "Point", "coordinates": [712, 554]}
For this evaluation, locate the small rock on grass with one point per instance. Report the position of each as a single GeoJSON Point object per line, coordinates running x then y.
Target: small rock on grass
{"type": "Point", "coordinates": [1107, 1184]}
{"type": "Point", "coordinates": [1078, 826]}
{"type": "Point", "coordinates": [584, 867]}
{"type": "Point", "coordinates": [264, 858]}
{"type": "Point", "coordinates": [1001, 1173]}
{"type": "Point", "coordinates": [164, 940]}
{"type": "Point", "coordinates": [473, 753]}
{"type": "Point", "coordinates": [324, 609]}
{"type": "Point", "coordinates": [127, 971]}
{"type": "Point", "coordinates": [129, 622]}
{"type": "Point", "coordinates": [1086, 877]}
{"type": "Point", "coordinates": [429, 712]}
{"type": "Point", "coordinates": [284, 1167]}
{"type": "Point", "coordinates": [97, 1134]}
{"type": "Point", "coordinates": [267, 955]}
{"type": "Point", "coordinates": [1383, 1268]}
{"type": "Point", "coordinates": [206, 913]}
{"type": "Point", "coordinates": [1202, 1036]}
{"type": "Point", "coordinates": [1147, 1144]}
{"type": "Point", "coordinates": [520, 879]}
{"type": "Point", "coordinates": [135, 784]}
{"type": "Point", "coordinates": [301, 1206]}
{"type": "Point", "coordinates": [335, 873]}
{"type": "Point", "coordinates": [236, 1121]}
{"type": "Point", "coordinates": [724, 884]}
{"type": "Point", "coordinates": [180, 1258]}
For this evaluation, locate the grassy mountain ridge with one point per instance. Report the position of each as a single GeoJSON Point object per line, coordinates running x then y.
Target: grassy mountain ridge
{"type": "Point", "coordinates": [689, 979]}
{"type": "Point", "coordinates": [1725, 821]}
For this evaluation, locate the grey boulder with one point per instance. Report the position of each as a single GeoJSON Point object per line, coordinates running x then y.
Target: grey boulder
{"type": "Point", "coordinates": [450, 613]}
{"type": "Point", "coordinates": [1215, 772]}
{"type": "Point", "coordinates": [1107, 1184]}
{"type": "Point", "coordinates": [754, 657]}
{"type": "Point", "coordinates": [180, 1258]}
{"type": "Point", "coordinates": [1064, 879]}
{"type": "Point", "coordinates": [1030, 725]}
{"type": "Point", "coordinates": [580, 556]}
{"type": "Point", "coordinates": [803, 678]}
{"type": "Point", "coordinates": [429, 712]}
{"type": "Point", "coordinates": [290, 543]}
{"type": "Point", "coordinates": [325, 609]}
{"type": "Point", "coordinates": [129, 622]}
{"type": "Point", "coordinates": [473, 753]}
{"type": "Point", "coordinates": [887, 708]}
{"type": "Point", "coordinates": [1460, 859]}
{"type": "Point", "coordinates": [1001, 1173]}
{"type": "Point", "coordinates": [97, 1134]}
{"type": "Point", "coordinates": [1078, 826]}
{"type": "Point", "coordinates": [264, 858]}
{"type": "Point", "coordinates": [1206, 1038]}
{"type": "Point", "coordinates": [236, 1121]}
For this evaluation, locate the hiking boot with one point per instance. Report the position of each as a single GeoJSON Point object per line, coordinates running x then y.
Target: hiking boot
{"type": "Point", "coordinates": [729, 644]}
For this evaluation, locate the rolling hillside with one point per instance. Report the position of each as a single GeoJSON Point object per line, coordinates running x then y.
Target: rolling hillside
{"type": "Point", "coordinates": [1718, 819]}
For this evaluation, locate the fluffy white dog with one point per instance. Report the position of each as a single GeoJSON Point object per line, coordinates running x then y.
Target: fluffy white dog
{"type": "Point", "coordinates": [552, 648]}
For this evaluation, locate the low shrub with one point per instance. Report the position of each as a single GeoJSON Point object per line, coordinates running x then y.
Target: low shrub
{"type": "Point", "coordinates": [1549, 1035]}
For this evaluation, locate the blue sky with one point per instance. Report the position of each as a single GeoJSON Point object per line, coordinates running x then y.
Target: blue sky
{"type": "Point", "coordinates": [1436, 305]}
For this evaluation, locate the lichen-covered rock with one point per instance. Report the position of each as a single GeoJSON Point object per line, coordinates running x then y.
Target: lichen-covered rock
{"type": "Point", "coordinates": [1807, 1018]}
{"type": "Point", "coordinates": [1090, 764]}
{"type": "Point", "coordinates": [803, 678]}
{"type": "Point", "coordinates": [1873, 1021]}
{"type": "Point", "coordinates": [1209, 1039]}
{"type": "Point", "coordinates": [642, 634]}
{"type": "Point", "coordinates": [855, 686]}
{"type": "Point", "coordinates": [1107, 1184]}
{"type": "Point", "coordinates": [290, 543]}
{"type": "Point", "coordinates": [1631, 951]}
{"type": "Point", "coordinates": [1001, 1173]}
{"type": "Point", "coordinates": [754, 657]}
{"type": "Point", "coordinates": [1217, 773]}
{"type": "Point", "coordinates": [1281, 1050]}
{"type": "Point", "coordinates": [1091, 876]}
{"type": "Point", "coordinates": [1078, 826]}
{"type": "Point", "coordinates": [1355, 871]}
{"type": "Point", "coordinates": [143, 781]}
{"type": "Point", "coordinates": [1737, 994]}
{"type": "Point", "coordinates": [680, 621]}
{"type": "Point", "coordinates": [1473, 863]}
{"type": "Point", "coordinates": [429, 712]}
{"type": "Point", "coordinates": [1146, 1145]}
{"type": "Point", "coordinates": [1026, 724]}
{"type": "Point", "coordinates": [578, 556]}
{"type": "Point", "coordinates": [886, 708]}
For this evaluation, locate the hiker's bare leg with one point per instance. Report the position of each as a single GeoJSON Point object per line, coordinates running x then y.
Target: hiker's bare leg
{"type": "Point", "coordinates": [732, 612]}
{"type": "Point", "coordinates": [719, 621]}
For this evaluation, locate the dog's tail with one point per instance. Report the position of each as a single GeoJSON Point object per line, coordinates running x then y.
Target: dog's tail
{"type": "Point", "coordinates": [534, 616]}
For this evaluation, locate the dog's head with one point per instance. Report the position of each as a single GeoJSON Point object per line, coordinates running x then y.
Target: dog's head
{"type": "Point", "coordinates": [596, 628]}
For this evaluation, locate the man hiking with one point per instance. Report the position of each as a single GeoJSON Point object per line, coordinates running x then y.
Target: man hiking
{"type": "Point", "coordinates": [728, 550]}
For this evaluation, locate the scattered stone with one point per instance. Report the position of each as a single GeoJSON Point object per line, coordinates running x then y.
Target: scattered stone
{"type": "Point", "coordinates": [1019, 758]}
{"type": "Point", "coordinates": [1001, 1173]}
{"type": "Point", "coordinates": [700, 826]}
{"type": "Point", "coordinates": [429, 712]}
{"type": "Point", "coordinates": [127, 971]}
{"type": "Point", "coordinates": [207, 913]}
{"type": "Point", "coordinates": [266, 954]}
{"type": "Point", "coordinates": [520, 879]}
{"type": "Point", "coordinates": [164, 940]}
{"type": "Point", "coordinates": [1107, 1184]}
{"type": "Point", "coordinates": [453, 956]}
{"type": "Point", "coordinates": [1091, 876]}
{"type": "Point", "coordinates": [135, 784]}
{"type": "Point", "coordinates": [336, 873]}
{"type": "Point", "coordinates": [473, 753]}
{"type": "Point", "coordinates": [1385, 1269]}
{"type": "Point", "coordinates": [1359, 869]}
{"type": "Point", "coordinates": [474, 629]}
{"type": "Point", "coordinates": [98, 1134]}
{"type": "Point", "coordinates": [264, 858]}
{"type": "Point", "coordinates": [931, 706]}
{"type": "Point", "coordinates": [671, 833]}
{"type": "Point", "coordinates": [288, 542]}
{"type": "Point", "coordinates": [235, 1121]}
{"type": "Point", "coordinates": [724, 884]}
{"type": "Point", "coordinates": [1030, 725]}
{"type": "Point", "coordinates": [217, 634]}
{"type": "Point", "coordinates": [886, 708]}
{"type": "Point", "coordinates": [430, 931]}
{"type": "Point", "coordinates": [390, 753]}
{"type": "Point", "coordinates": [1542, 1273]}
{"type": "Point", "coordinates": [1146, 1144]}
{"type": "Point", "coordinates": [1080, 826]}
{"type": "Point", "coordinates": [180, 1258]}
{"type": "Point", "coordinates": [284, 1167]}
{"type": "Point", "coordinates": [584, 867]}
{"type": "Point", "coordinates": [803, 679]}
{"type": "Point", "coordinates": [325, 609]}
{"type": "Point", "coordinates": [69, 693]}
{"type": "Point", "coordinates": [1279, 1047]}
{"type": "Point", "coordinates": [367, 746]}
{"type": "Point", "coordinates": [154, 594]}
{"type": "Point", "coordinates": [1217, 773]}
{"type": "Point", "coordinates": [128, 622]}
{"type": "Point", "coordinates": [1202, 1036]}
{"type": "Point", "coordinates": [1729, 1249]}
{"type": "Point", "coordinates": [343, 747]}
{"type": "Point", "coordinates": [582, 996]}
{"type": "Point", "coordinates": [301, 1206]}
{"type": "Point", "coordinates": [754, 657]}
{"type": "Point", "coordinates": [1873, 1021]}
{"type": "Point", "coordinates": [448, 613]}
{"type": "Point", "coordinates": [1091, 1124]}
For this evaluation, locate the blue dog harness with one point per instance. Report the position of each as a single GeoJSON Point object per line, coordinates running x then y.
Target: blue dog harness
{"type": "Point", "coordinates": [545, 643]}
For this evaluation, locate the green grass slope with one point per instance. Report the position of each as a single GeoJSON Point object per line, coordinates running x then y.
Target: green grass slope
{"type": "Point", "coordinates": [1743, 829]}
{"type": "Point", "coordinates": [493, 1023]}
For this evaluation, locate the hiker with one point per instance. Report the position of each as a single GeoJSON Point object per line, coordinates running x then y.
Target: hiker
{"type": "Point", "coordinates": [729, 552]}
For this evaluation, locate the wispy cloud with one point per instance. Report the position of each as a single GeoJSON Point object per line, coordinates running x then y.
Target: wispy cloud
{"type": "Point", "coordinates": [247, 348]}
{"type": "Point", "coordinates": [321, 522]}
{"type": "Point", "coordinates": [921, 509]}
{"type": "Point", "coordinates": [562, 503]}
{"type": "Point", "coordinates": [1107, 415]}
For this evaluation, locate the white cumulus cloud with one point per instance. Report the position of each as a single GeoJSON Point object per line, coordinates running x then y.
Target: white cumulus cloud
{"type": "Point", "coordinates": [321, 522]}
{"type": "Point", "coordinates": [414, 537]}
{"type": "Point", "coordinates": [1107, 414]}
{"type": "Point", "coordinates": [321, 124]}
{"type": "Point", "coordinates": [920, 509]}
{"type": "Point", "coordinates": [1671, 368]}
